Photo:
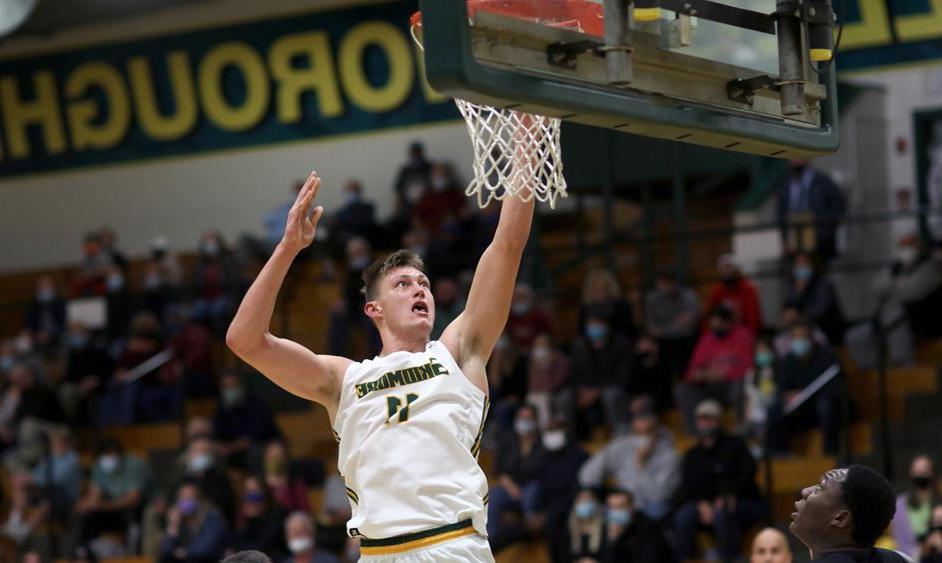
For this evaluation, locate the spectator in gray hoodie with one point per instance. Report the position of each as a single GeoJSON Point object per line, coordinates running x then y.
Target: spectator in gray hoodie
{"type": "Point", "coordinates": [644, 462]}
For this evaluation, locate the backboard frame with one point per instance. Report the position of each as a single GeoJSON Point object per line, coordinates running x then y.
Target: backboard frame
{"type": "Point", "coordinates": [453, 69]}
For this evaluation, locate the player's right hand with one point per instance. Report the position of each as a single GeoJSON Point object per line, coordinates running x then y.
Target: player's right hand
{"type": "Point", "coordinates": [302, 222]}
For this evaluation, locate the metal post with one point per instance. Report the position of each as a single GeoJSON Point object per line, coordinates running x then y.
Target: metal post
{"type": "Point", "coordinates": [608, 203]}
{"type": "Point", "coordinates": [679, 200]}
{"type": "Point", "coordinates": [617, 47]}
{"type": "Point", "coordinates": [790, 57]}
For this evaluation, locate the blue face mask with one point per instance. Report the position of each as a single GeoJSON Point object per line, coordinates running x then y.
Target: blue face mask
{"type": "Point", "coordinates": [619, 517]}
{"type": "Point", "coordinates": [7, 363]}
{"type": "Point", "coordinates": [802, 273]}
{"type": "Point", "coordinates": [586, 509]}
{"type": "Point", "coordinates": [596, 332]}
{"type": "Point", "coordinates": [764, 358]}
{"type": "Point", "coordinates": [800, 347]}
{"type": "Point", "coordinates": [78, 341]}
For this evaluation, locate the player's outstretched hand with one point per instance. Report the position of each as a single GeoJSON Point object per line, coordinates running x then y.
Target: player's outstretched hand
{"type": "Point", "coordinates": [302, 222]}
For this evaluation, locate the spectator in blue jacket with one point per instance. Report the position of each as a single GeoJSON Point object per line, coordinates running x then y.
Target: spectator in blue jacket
{"type": "Point", "coordinates": [196, 530]}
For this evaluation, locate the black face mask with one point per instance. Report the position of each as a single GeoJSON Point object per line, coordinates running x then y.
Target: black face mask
{"type": "Point", "coordinates": [921, 482]}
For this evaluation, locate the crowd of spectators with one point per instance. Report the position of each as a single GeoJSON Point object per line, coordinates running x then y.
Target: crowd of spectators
{"type": "Point", "coordinates": [610, 381]}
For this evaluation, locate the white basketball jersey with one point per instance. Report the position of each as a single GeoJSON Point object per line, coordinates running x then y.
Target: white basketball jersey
{"type": "Point", "coordinates": [409, 426]}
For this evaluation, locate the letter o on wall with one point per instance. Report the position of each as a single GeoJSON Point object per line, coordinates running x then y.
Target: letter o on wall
{"type": "Point", "coordinates": [218, 109]}
{"type": "Point", "coordinates": [401, 69]}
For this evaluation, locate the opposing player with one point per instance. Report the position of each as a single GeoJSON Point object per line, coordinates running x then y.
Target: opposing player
{"type": "Point", "coordinates": [409, 421]}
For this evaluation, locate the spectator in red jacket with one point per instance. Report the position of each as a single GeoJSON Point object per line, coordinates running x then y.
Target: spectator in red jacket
{"type": "Point", "coordinates": [527, 319]}
{"type": "Point", "coordinates": [736, 292]}
{"type": "Point", "coordinates": [720, 362]}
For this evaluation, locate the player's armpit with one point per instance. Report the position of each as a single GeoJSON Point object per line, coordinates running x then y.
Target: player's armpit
{"type": "Point", "coordinates": [297, 370]}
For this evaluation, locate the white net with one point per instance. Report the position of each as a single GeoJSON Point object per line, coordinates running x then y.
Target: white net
{"type": "Point", "coordinates": [515, 154]}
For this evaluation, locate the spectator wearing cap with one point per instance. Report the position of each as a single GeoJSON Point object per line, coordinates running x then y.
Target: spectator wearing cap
{"type": "Point", "coordinates": [717, 488]}
{"type": "Point", "coordinates": [196, 531]}
{"type": "Point", "coordinates": [720, 362]}
{"type": "Point", "coordinates": [804, 363]}
{"type": "Point", "coordinates": [242, 421]}
{"type": "Point", "coordinates": [299, 535]}
{"type": "Point", "coordinates": [737, 293]}
{"type": "Point", "coordinates": [118, 489]}
{"type": "Point", "coordinates": [672, 313]}
{"type": "Point", "coordinates": [45, 317]}
{"type": "Point", "coordinates": [643, 462]}
{"type": "Point", "coordinates": [558, 485]}
{"type": "Point", "coordinates": [601, 361]}
{"type": "Point", "coordinates": [630, 535]}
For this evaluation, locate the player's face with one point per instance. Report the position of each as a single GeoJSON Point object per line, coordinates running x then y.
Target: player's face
{"type": "Point", "coordinates": [818, 507]}
{"type": "Point", "coordinates": [406, 300]}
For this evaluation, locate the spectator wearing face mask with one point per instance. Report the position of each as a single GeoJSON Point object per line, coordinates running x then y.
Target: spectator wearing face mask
{"type": "Point", "coordinates": [760, 389]}
{"type": "Point", "coordinates": [448, 304]}
{"type": "Point", "coordinates": [288, 491]}
{"type": "Point", "coordinates": [815, 293]}
{"type": "Point", "coordinates": [601, 361]}
{"type": "Point", "coordinates": [412, 179]}
{"type": "Point", "coordinates": [719, 364]}
{"type": "Point", "coordinates": [737, 293]}
{"type": "Point", "coordinates": [770, 546]}
{"type": "Point", "coordinates": [602, 297]}
{"type": "Point", "coordinates": [527, 319]}
{"type": "Point", "coordinates": [644, 462]}
{"type": "Point", "coordinates": [672, 312]}
{"type": "Point", "coordinates": [650, 373]}
{"type": "Point", "coordinates": [355, 218]}
{"type": "Point", "coordinates": [799, 368]}
{"type": "Point", "coordinates": [119, 485]}
{"type": "Point", "coordinates": [196, 531]}
{"type": "Point", "coordinates": [547, 380]}
{"type": "Point", "coordinates": [241, 421]}
{"type": "Point", "coordinates": [793, 314]}
{"type": "Point", "coordinates": [717, 491]}
{"type": "Point", "coordinates": [630, 536]}
{"type": "Point", "coordinates": [88, 369]}
{"type": "Point", "coordinates": [299, 535]}
{"type": "Point", "coordinates": [119, 303]}
{"type": "Point", "coordinates": [519, 462]}
{"type": "Point", "coordinates": [586, 527]}
{"type": "Point", "coordinates": [914, 506]}
{"type": "Point", "coordinates": [199, 465]}
{"type": "Point", "coordinates": [559, 483]}
{"type": "Point", "coordinates": [444, 198]}
{"type": "Point", "coordinates": [45, 318]}
{"type": "Point", "coordinates": [214, 281]}
{"type": "Point", "coordinates": [346, 316]}
{"type": "Point", "coordinates": [90, 279]}
{"type": "Point", "coordinates": [260, 523]}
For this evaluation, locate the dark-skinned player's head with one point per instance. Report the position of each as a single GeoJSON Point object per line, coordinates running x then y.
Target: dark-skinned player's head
{"type": "Point", "coordinates": [847, 508]}
{"type": "Point", "coordinates": [398, 294]}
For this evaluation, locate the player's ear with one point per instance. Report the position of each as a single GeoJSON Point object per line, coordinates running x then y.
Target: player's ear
{"type": "Point", "coordinates": [373, 309]}
{"type": "Point", "coordinates": [842, 519]}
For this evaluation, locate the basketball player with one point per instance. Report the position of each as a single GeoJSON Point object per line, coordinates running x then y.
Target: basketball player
{"type": "Point", "coordinates": [840, 519]}
{"type": "Point", "coordinates": [409, 421]}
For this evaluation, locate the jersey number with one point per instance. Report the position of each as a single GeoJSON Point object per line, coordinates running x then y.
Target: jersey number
{"type": "Point", "coordinates": [394, 405]}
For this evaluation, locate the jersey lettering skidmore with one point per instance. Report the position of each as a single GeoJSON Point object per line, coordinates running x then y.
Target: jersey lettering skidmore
{"type": "Point", "coordinates": [400, 377]}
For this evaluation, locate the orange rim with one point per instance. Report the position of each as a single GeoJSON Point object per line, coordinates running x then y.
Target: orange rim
{"type": "Point", "coordinates": [582, 14]}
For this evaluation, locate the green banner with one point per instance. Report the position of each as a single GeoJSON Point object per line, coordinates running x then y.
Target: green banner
{"type": "Point", "coordinates": [300, 77]}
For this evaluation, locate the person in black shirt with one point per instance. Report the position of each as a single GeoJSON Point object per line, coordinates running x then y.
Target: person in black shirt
{"type": "Point", "coordinates": [718, 490]}
{"type": "Point", "coordinates": [840, 518]}
{"type": "Point", "coordinates": [630, 536]}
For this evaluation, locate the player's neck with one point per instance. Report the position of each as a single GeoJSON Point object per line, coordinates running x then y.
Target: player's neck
{"type": "Point", "coordinates": [402, 343]}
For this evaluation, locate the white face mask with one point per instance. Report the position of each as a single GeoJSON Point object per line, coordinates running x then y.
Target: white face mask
{"type": "Point", "coordinates": [554, 440]}
{"type": "Point", "coordinates": [200, 463]}
{"type": "Point", "coordinates": [525, 426]}
{"type": "Point", "coordinates": [300, 545]}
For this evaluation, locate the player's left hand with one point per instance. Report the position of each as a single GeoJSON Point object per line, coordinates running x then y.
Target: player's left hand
{"type": "Point", "coordinates": [302, 222]}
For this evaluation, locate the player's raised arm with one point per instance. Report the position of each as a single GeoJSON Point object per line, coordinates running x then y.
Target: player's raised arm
{"type": "Point", "coordinates": [288, 364]}
{"type": "Point", "coordinates": [475, 332]}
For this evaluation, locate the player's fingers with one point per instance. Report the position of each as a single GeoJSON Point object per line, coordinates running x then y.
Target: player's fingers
{"type": "Point", "coordinates": [304, 188]}
{"type": "Point", "coordinates": [315, 216]}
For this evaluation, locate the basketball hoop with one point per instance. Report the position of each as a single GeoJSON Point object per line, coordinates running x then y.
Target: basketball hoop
{"type": "Point", "coordinates": [501, 136]}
